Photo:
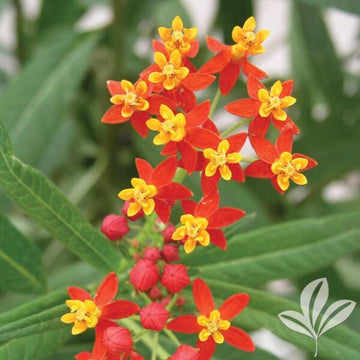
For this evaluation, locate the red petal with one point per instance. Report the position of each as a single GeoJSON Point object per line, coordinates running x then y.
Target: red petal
{"type": "Point", "coordinates": [208, 205]}
{"type": "Point", "coordinates": [188, 206]}
{"type": "Point", "coordinates": [228, 77]}
{"type": "Point", "coordinates": [198, 81]}
{"type": "Point", "coordinates": [259, 126]}
{"type": "Point", "coordinates": [285, 125]}
{"type": "Point", "coordinates": [215, 45]}
{"type": "Point", "coordinates": [210, 125]}
{"type": "Point", "coordinates": [276, 186]}
{"type": "Point", "coordinates": [233, 305]}
{"type": "Point", "coordinates": [198, 115]}
{"type": "Point", "coordinates": [119, 309]}
{"type": "Point", "coordinates": [207, 348]}
{"type": "Point", "coordinates": [209, 184]}
{"type": "Point", "coordinates": [113, 115]}
{"type": "Point", "coordinates": [164, 172]}
{"type": "Point", "coordinates": [173, 191]}
{"type": "Point", "coordinates": [218, 238]}
{"type": "Point", "coordinates": [163, 210]}
{"type": "Point", "coordinates": [107, 290]}
{"type": "Point", "coordinates": [202, 138]}
{"type": "Point", "coordinates": [85, 355]}
{"type": "Point", "coordinates": [253, 86]}
{"type": "Point", "coordinates": [77, 293]}
{"type": "Point", "coordinates": [170, 148]}
{"type": "Point", "coordinates": [246, 108]}
{"type": "Point", "coordinates": [189, 64]}
{"type": "Point", "coordinates": [287, 88]}
{"type": "Point", "coordinates": [158, 46]}
{"type": "Point", "coordinates": [239, 339]}
{"type": "Point", "coordinates": [284, 142]}
{"type": "Point", "coordinates": [224, 216]}
{"type": "Point", "coordinates": [194, 48]}
{"type": "Point", "coordinates": [216, 63]}
{"type": "Point", "coordinates": [156, 100]}
{"type": "Point", "coordinates": [188, 155]}
{"type": "Point", "coordinates": [311, 162]}
{"type": "Point", "coordinates": [144, 169]}
{"type": "Point", "coordinates": [259, 169]}
{"type": "Point", "coordinates": [203, 297]}
{"type": "Point", "coordinates": [264, 149]}
{"type": "Point", "coordinates": [114, 87]}
{"type": "Point", "coordinates": [185, 324]}
{"type": "Point", "coordinates": [186, 99]}
{"type": "Point", "coordinates": [138, 121]}
{"type": "Point", "coordinates": [237, 173]}
{"type": "Point", "coordinates": [236, 142]}
{"type": "Point", "coordinates": [250, 69]}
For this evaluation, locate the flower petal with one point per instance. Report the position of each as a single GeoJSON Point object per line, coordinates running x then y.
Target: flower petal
{"type": "Point", "coordinates": [119, 309]}
{"type": "Point", "coordinates": [138, 122]}
{"type": "Point", "coordinates": [228, 77]}
{"type": "Point", "coordinates": [188, 206]}
{"type": "Point", "coordinates": [163, 210]}
{"type": "Point", "coordinates": [77, 293]}
{"type": "Point", "coordinates": [198, 81]}
{"type": "Point", "coordinates": [144, 169]}
{"type": "Point", "coordinates": [188, 156]}
{"type": "Point", "coordinates": [250, 69]}
{"type": "Point", "coordinates": [259, 169]}
{"type": "Point", "coordinates": [259, 126]}
{"type": "Point", "coordinates": [217, 238]}
{"type": "Point", "coordinates": [215, 45]}
{"type": "Point", "coordinates": [216, 63]}
{"type": "Point", "coordinates": [207, 348]}
{"type": "Point", "coordinates": [224, 217]}
{"type": "Point", "coordinates": [245, 108]}
{"type": "Point", "coordinates": [284, 142]}
{"type": "Point", "coordinates": [107, 290]}
{"type": "Point", "coordinates": [287, 88]}
{"type": "Point", "coordinates": [233, 305]}
{"type": "Point", "coordinates": [173, 191]}
{"type": "Point", "coordinates": [113, 115]}
{"type": "Point", "coordinates": [114, 87]}
{"type": "Point", "coordinates": [264, 149]}
{"type": "Point", "coordinates": [253, 86]}
{"type": "Point", "coordinates": [185, 324]}
{"type": "Point", "coordinates": [236, 142]}
{"type": "Point", "coordinates": [164, 172]}
{"type": "Point", "coordinates": [202, 138]}
{"type": "Point", "coordinates": [198, 115]}
{"type": "Point", "coordinates": [203, 297]}
{"type": "Point", "coordinates": [239, 339]}
{"type": "Point", "coordinates": [208, 205]}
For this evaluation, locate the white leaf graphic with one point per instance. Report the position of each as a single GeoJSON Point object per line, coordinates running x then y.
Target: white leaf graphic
{"type": "Point", "coordinates": [340, 317]}
{"type": "Point", "coordinates": [319, 301]}
{"type": "Point", "coordinates": [293, 325]}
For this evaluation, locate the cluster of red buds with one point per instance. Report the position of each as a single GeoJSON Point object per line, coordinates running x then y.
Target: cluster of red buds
{"type": "Point", "coordinates": [163, 100]}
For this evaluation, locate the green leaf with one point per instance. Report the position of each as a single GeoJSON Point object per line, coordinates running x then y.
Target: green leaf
{"type": "Point", "coordinates": [262, 312]}
{"type": "Point", "coordinates": [36, 99]}
{"type": "Point", "coordinates": [352, 6]}
{"type": "Point", "coordinates": [19, 273]}
{"type": "Point", "coordinates": [294, 248]}
{"type": "Point", "coordinates": [49, 207]}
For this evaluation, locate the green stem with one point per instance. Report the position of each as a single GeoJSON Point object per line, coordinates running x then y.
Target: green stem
{"type": "Point", "coordinates": [147, 228]}
{"type": "Point", "coordinates": [139, 335]}
{"type": "Point", "coordinates": [180, 175]}
{"type": "Point", "coordinates": [214, 103]}
{"type": "Point", "coordinates": [155, 345]}
{"type": "Point", "coordinates": [172, 337]}
{"type": "Point", "coordinates": [172, 302]}
{"type": "Point", "coordinates": [234, 127]}
{"type": "Point", "coordinates": [248, 160]}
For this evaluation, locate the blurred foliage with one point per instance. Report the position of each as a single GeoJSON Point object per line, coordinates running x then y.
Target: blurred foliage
{"type": "Point", "coordinates": [51, 109]}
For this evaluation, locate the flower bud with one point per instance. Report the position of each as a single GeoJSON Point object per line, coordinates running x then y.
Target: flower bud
{"type": "Point", "coordinates": [152, 253]}
{"type": "Point", "coordinates": [117, 340]}
{"type": "Point", "coordinates": [167, 233]}
{"type": "Point", "coordinates": [185, 352]}
{"type": "Point", "coordinates": [170, 253]}
{"type": "Point", "coordinates": [154, 316]}
{"type": "Point", "coordinates": [165, 301]}
{"type": "Point", "coordinates": [144, 275]}
{"type": "Point", "coordinates": [180, 301]}
{"type": "Point", "coordinates": [175, 277]}
{"type": "Point", "coordinates": [155, 293]}
{"type": "Point", "coordinates": [114, 227]}
{"type": "Point", "coordinates": [139, 215]}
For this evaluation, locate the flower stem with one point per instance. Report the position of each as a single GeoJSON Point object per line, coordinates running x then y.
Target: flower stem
{"type": "Point", "coordinates": [214, 103]}
{"type": "Point", "coordinates": [180, 175]}
{"type": "Point", "coordinates": [155, 345]}
{"type": "Point", "coordinates": [234, 127]}
{"type": "Point", "coordinates": [248, 160]}
{"type": "Point", "coordinates": [172, 337]}
{"type": "Point", "coordinates": [172, 302]}
{"type": "Point", "coordinates": [139, 335]}
{"type": "Point", "coordinates": [316, 346]}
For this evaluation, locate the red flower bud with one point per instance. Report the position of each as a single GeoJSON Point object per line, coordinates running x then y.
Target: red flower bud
{"type": "Point", "coordinates": [180, 301]}
{"type": "Point", "coordinates": [117, 340]}
{"type": "Point", "coordinates": [152, 253]}
{"type": "Point", "coordinates": [175, 277]}
{"type": "Point", "coordinates": [165, 301]}
{"type": "Point", "coordinates": [144, 275]}
{"type": "Point", "coordinates": [154, 316]}
{"type": "Point", "coordinates": [185, 352]}
{"type": "Point", "coordinates": [114, 227]}
{"type": "Point", "coordinates": [170, 253]}
{"type": "Point", "coordinates": [134, 217]}
{"type": "Point", "coordinates": [134, 243]}
{"type": "Point", "coordinates": [167, 233]}
{"type": "Point", "coordinates": [155, 293]}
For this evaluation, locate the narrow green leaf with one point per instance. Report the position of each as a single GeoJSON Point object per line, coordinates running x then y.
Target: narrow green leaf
{"type": "Point", "coordinates": [294, 248]}
{"type": "Point", "coordinates": [20, 261]}
{"type": "Point", "coordinates": [49, 207]}
{"type": "Point", "coordinates": [352, 6]}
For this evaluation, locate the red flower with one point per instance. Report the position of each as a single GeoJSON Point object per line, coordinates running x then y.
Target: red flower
{"type": "Point", "coordinates": [179, 132]}
{"type": "Point", "coordinates": [265, 106]}
{"type": "Point", "coordinates": [153, 190]}
{"type": "Point", "coordinates": [202, 222]}
{"type": "Point", "coordinates": [86, 311]}
{"type": "Point", "coordinates": [277, 163]}
{"type": "Point", "coordinates": [213, 325]}
{"type": "Point", "coordinates": [185, 352]}
{"type": "Point", "coordinates": [144, 275]}
{"type": "Point", "coordinates": [134, 103]}
{"type": "Point", "coordinates": [175, 277]}
{"type": "Point", "coordinates": [232, 58]}
{"type": "Point", "coordinates": [114, 227]}
{"type": "Point", "coordinates": [154, 316]}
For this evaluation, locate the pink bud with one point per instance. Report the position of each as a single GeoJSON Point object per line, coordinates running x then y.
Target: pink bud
{"type": "Point", "coordinates": [114, 227]}
{"type": "Point", "coordinates": [185, 352]}
{"type": "Point", "coordinates": [155, 293]}
{"type": "Point", "coordinates": [165, 301]}
{"type": "Point", "coordinates": [175, 277]}
{"type": "Point", "coordinates": [167, 233]}
{"type": "Point", "coordinates": [154, 316]}
{"type": "Point", "coordinates": [152, 253]}
{"type": "Point", "coordinates": [134, 217]}
{"type": "Point", "coordinates": [170, 253]}
{"type": "Point", "coordinates": [117, 340]}
{"type": "Point", "coordinates": [180, 301]}
{"type": "Point", "coordinates": [144, 275]}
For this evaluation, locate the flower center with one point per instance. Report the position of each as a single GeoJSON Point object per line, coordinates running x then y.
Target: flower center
{"type": "Point", "coordinates": [131, 98]}
{"type": "Point", "coordinates": [219, 159]}
{"type": "Point", "coordinates": [274, 102]}
{"type": "Point", "coordinates": [177, 38]}
{"type": "Point", "coordinates": [249, 38]}
{"type": "Point", "coordinates": [212, 326]}
{"type": "Point", "coordinates": [169, 70]}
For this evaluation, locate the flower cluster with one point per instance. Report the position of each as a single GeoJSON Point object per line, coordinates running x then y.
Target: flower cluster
{"type": "Point", "coordinates": [163, 101]}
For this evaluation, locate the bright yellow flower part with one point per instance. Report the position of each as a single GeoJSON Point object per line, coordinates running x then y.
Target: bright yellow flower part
{"type": "Point", "coordinates": [178, 37]}
{"type": "Point", "coordinates": [193, 231]}
{"type": "Point", "coordinates": [133, 99]}
{"type": "Point", "coordinates": [219, 159]}
{"type": "Point", "coordinates": [171, 71]}
{"type": "Point", "coordinates": [212, 325]}
{"type": "Point", "coordinates": [286, 168]}
{"type": "Point", "coordinates": [84, 315]}
{"type": "Point", "coordinates": [247, 42]}
{"type": "Point", "coordinates": [142, 195]}
{"type": "Point", "coordinates": [172, 129]}
{"type": "Point", "coordinates": [274, 104]}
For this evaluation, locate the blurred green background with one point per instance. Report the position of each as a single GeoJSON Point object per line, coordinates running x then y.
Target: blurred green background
{"type": "Point", "coordinates": [53, 95]}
